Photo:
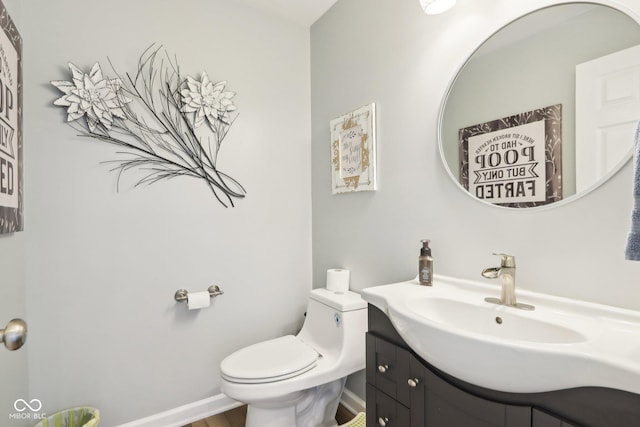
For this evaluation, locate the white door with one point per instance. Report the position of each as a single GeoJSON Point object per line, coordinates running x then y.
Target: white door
{"type": "Point", "coordinates": [13, 364]}
{"type": "Point", "coordinates": [607, 113]}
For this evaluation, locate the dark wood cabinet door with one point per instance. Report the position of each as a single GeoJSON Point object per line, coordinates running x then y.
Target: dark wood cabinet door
{"type": "Point", "coordinates": [383, 411]}
{"type": "Point", "coordinates": [442, 412]}
{"type": "Point", "coordinates": [542, 419]}
{"type": "Point", "coordinates": [388, 368]}
{"type": "Point", "coordinates": [436, 403]}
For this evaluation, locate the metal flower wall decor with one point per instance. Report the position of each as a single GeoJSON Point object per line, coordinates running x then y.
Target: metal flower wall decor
{"type": "Point", "coordinates": [167, 126]}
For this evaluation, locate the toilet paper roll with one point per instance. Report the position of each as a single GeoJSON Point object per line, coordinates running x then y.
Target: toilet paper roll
{"type": "Point", "coordinates": [196, 300]}
{"type": "Point", "coordinates": [338, 280]}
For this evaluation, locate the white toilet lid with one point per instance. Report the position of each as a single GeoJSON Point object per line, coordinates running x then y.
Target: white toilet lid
{"type": "Point", "coordinates": [269, 361]}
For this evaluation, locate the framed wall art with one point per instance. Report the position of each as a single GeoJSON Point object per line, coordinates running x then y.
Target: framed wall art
{"type": "Point", "coordinates": [514, 161]}
{"type": "Point", "coordinates": [11, 161]}
{"type": "Point", "coordinates": [353, 151]}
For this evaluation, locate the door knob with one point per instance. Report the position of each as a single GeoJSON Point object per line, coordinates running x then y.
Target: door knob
{"type": "Point", "coordinates": [14, 334]}
{"type": "Point", "coordinates": [413, 382]}
{"type": "Point", "coordinates": [382, 421]}
{"type": "Point", "coordinates": [383, 368]}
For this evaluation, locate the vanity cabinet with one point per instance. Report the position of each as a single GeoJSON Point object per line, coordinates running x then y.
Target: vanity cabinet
{"type": "Point", "coordinates": [405, 391]}
{"type": "Point", "coordinates": [402, 392]}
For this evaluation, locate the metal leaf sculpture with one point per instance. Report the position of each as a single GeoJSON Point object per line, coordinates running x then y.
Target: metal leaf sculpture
{"type": "Point", "coordinates": [168, 126]}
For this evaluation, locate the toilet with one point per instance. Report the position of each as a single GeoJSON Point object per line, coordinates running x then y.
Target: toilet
{"type": "Point", "coordinates": [297, 380]}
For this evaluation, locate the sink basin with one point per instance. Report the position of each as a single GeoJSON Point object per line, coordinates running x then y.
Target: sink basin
{"type": "Point", "coordinates": [484, 319]}
{"type": "Point", "coordinates": [561, 344]}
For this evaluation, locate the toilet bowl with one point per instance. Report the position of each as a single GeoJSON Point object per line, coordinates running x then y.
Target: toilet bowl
{"type": "Point", "coordinates": [297, 381]}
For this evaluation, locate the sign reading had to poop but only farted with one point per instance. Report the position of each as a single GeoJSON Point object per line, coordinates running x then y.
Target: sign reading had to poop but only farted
{"type": "Point", "coordinates": [9, 155]}
{"type": "Point", "coordinates": [11, 163]}
{"type": "Point", "coordinates": [508, 165]}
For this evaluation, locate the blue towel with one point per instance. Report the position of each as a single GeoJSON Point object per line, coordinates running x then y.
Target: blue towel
{"type": "Point", "coordinates": [633, 240]}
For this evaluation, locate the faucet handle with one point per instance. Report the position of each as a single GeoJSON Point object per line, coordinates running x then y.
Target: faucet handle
{"type": "Point", "coordinates": [508, 261]}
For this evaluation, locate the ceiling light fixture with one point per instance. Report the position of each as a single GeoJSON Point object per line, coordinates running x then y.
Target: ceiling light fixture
{"type": "Point", "coordinates": [434, 7]}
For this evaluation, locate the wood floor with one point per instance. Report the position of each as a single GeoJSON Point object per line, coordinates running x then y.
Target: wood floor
{"type": "Point", "coordinates": [237, 417]}
{"type": "Point", "coordinates": [233, 418]}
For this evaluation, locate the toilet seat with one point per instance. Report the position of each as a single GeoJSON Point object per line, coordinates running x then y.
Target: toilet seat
{"type": "Point", "coordinates": [269, 361]}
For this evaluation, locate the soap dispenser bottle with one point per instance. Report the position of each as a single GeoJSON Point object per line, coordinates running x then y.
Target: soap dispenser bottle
{"type": "Point", "coordinates": [425, 265]}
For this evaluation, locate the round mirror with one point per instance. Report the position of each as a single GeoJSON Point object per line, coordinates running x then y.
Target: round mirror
{"type": "Point", "coordinates": [545, 110]}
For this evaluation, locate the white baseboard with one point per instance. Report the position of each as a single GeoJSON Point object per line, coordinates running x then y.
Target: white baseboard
{"type": "Point", "coordinates": [352, 402]}
{"type": "Point", "coordinates": [188, 413]}
{"type": "Point", "coordinates": [208, 407]}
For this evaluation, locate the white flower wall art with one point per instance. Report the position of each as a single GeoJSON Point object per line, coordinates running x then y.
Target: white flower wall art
{"type": "Point", "coordinates": [165, 125]}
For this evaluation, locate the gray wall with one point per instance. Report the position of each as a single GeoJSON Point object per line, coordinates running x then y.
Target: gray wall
{"type": "Point", "coordinates": [103, 266]}
{"type": "Point", "coordinates": [390, 53]}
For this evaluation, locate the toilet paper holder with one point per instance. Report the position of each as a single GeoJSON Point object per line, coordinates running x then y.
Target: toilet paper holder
{"type": "Point", "coordinates": [182, 294]}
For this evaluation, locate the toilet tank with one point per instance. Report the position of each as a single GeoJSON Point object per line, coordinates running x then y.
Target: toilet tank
{"type": "Point", "coordinates": [336, 324]}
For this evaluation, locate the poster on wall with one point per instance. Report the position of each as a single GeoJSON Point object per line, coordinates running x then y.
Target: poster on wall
{"type": "Point", "coordinates": [353, 151]}
{"type": "Point", "coordinates": [515, 161]}
{"type": "Point", "coordinates": [11, 161]}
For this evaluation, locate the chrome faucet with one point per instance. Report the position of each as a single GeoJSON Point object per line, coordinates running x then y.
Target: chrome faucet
{"type": "Point", "coordinates": [507, 273]}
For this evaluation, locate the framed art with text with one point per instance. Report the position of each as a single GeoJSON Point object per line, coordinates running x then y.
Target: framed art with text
{"type": "Point", "coordinates": [11, 161]}
{"type": "Point", "coordinates": [353, 151]}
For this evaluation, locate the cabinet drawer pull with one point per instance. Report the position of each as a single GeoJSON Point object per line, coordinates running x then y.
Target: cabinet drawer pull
{"type": "Point", "coordinates": [382, 421]}
{"type": "Point", "coordinates": [413, 382]}
{"type": "Point", "coordinates": [382, 369]}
